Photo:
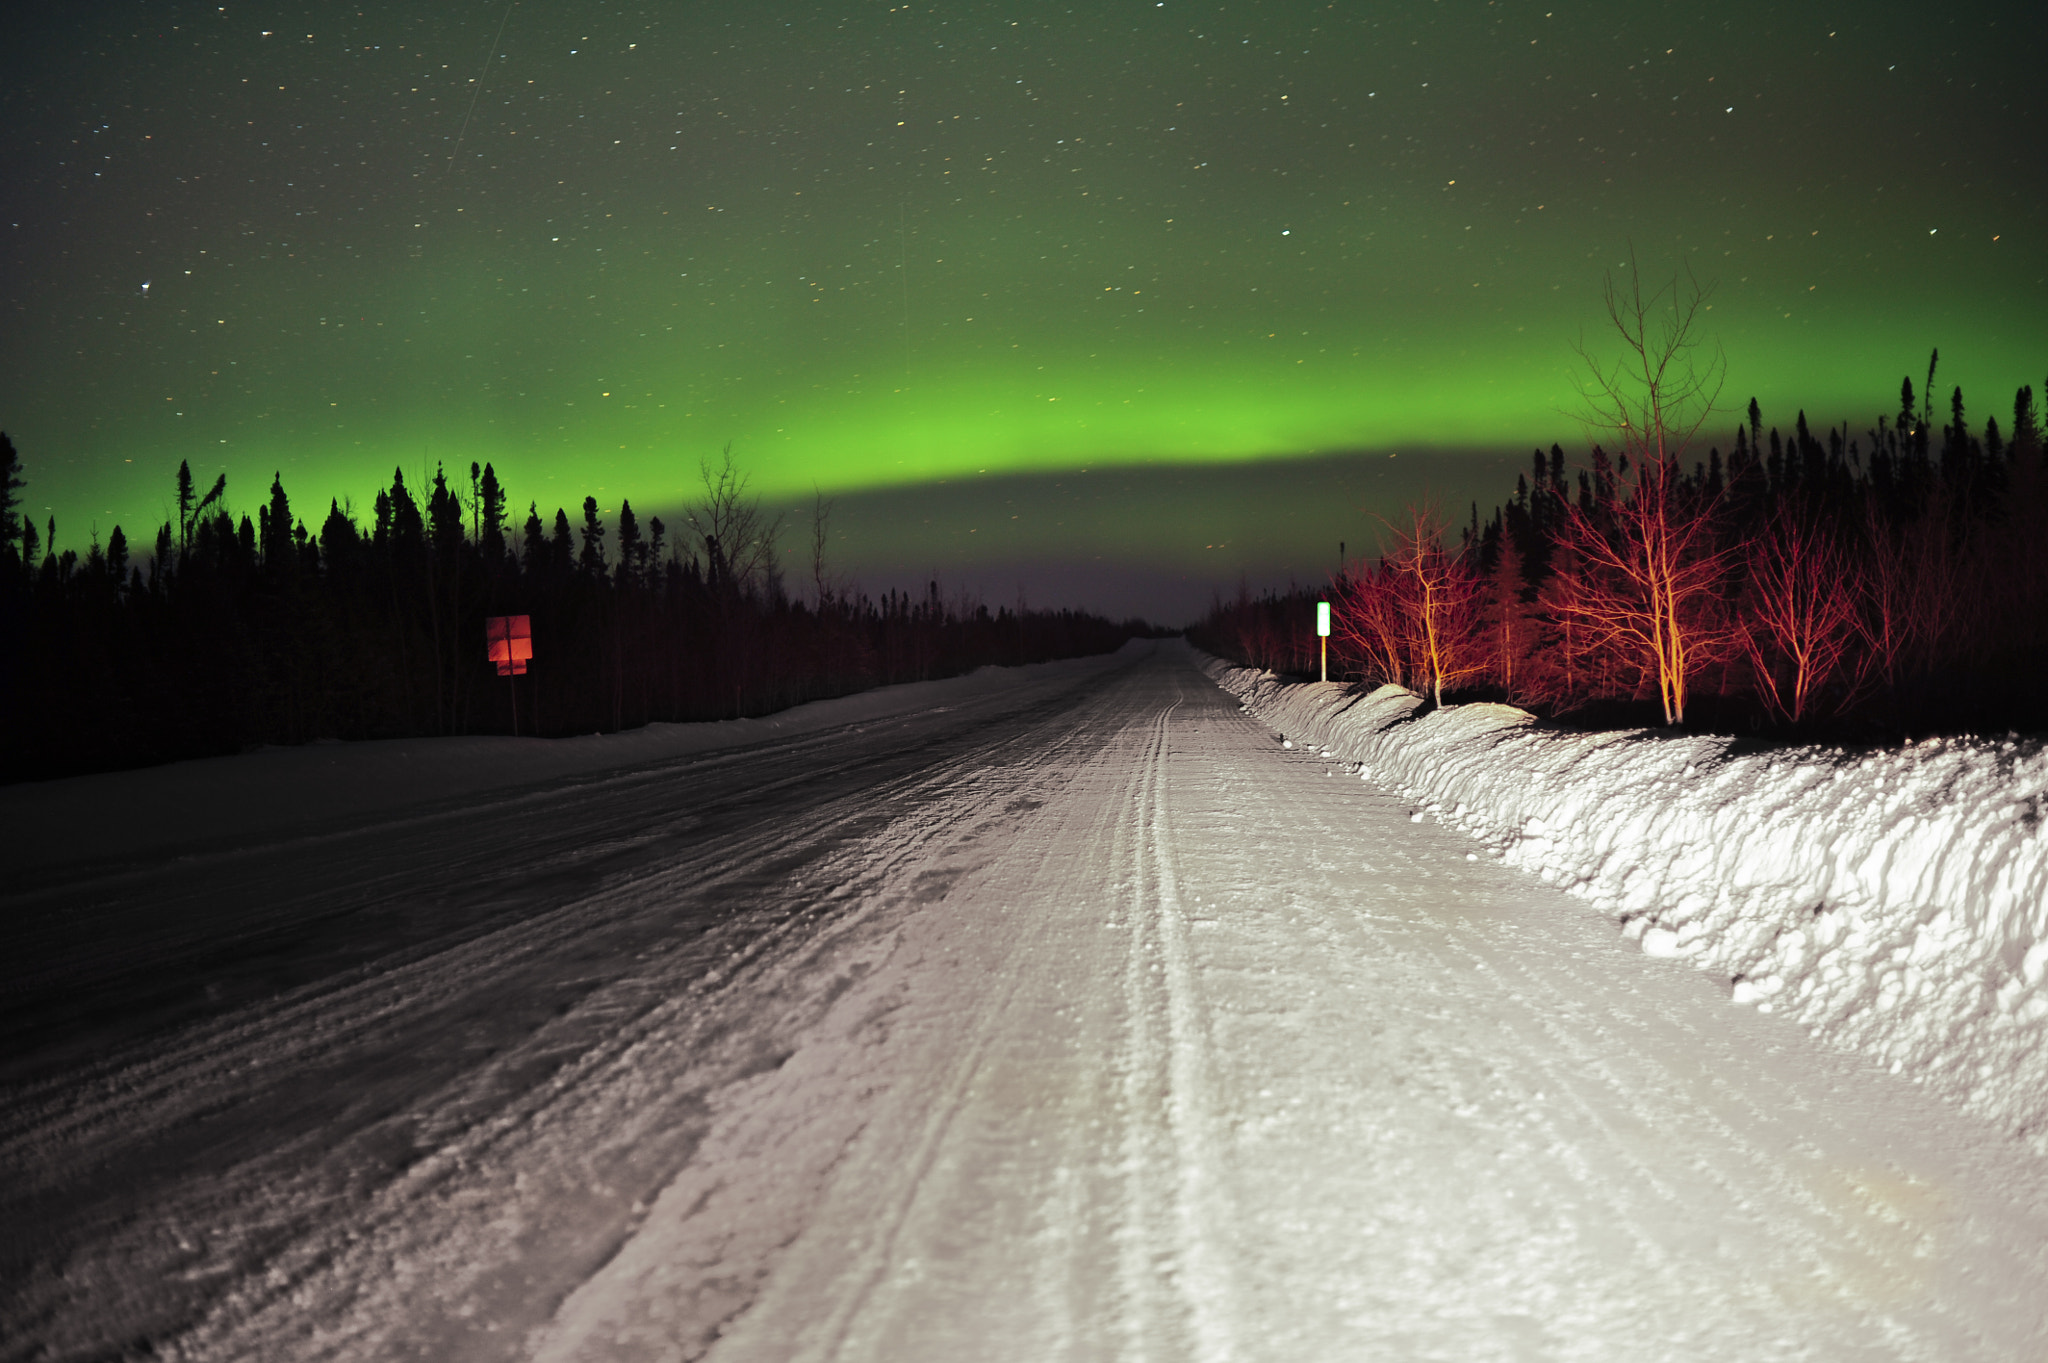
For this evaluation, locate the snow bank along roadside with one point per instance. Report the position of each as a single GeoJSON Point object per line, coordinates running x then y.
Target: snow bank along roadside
{"type": "Point", "coordinates": [230, 800]}
{"type": "Point", "coordinates": [1895, 902]}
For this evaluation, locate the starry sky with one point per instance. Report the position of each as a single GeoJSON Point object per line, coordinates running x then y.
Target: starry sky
{"type": "Point", "coordinates": [1262, 270]}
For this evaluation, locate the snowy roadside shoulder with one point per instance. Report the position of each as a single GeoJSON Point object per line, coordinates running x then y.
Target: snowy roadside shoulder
{"type": "Point", "coordinates": [254, 797]}
{"type": "Point", "coordinates": [1895, 902]}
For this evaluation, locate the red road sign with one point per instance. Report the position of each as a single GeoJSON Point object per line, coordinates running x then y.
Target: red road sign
{"type": "Point", "coordinates": [510, 639]}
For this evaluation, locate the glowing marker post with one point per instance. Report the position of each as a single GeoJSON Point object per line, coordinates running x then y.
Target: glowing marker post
{"type": "Point", "coordinates": [1323, 634]}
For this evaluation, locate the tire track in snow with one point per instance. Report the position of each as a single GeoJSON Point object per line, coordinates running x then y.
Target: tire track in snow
{"type": "Point", "coordinates": [791, 977]}
{"type": "Point", "coordinates": [1682, 1129]}
{"type": "Point", "coordinates": [842, 1152]}
{"type": "Point", "coordinates": [1178, 1182]}
{"type": "Point", "coordinates": [1746, 1174]}
{"type": "Point", "coordinates": [947, 1099]}
{"type": "Point", "coordinates": [1118, 1035]}
{"type": "Point", "coordinates": [257, 1242]}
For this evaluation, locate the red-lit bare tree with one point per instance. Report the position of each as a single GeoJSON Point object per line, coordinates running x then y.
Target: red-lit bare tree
{"type": "Point", "coordinates": [1440, 593]}
{"type": "Point", "coordinates": [1921, 595]}
{"type": "Point", "coordinates": [1369, 622]}
{"type": "Point", "coordinates": [1644, 574]}
{"type": "Point", "coordinates": [1884, 621]}
{"type": "Point", "coordinates": [1412, 618]}
{"type": "Point", "coordinates": [1800, 618]}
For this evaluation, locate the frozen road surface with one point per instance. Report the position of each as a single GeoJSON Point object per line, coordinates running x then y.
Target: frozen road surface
{"type": "Point", "coordinates": [1074, 1018]}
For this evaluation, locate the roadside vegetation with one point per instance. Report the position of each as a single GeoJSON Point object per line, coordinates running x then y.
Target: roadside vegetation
{"type": "Point", "coordinates": [1887, 582]}
{"type": "Point", "coordinates": [233, 631]}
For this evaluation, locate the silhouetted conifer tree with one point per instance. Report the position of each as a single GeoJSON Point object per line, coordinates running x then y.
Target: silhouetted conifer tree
{"type": "Point", "coordinates": [590, 563]}
{"type": "Point", "coordinates": [11, 483]}
{"type": "Point", "coordinates": [561, 548]}
{"type": "Point", "coordinates": [408, 527]}
{"type": "Point", "coordinates": [631, 550]}
{"type": "Point", "coordinates": [160, 565]}
{"type": "Point", "coordinates": [491, 520]}
{"type": "Point", "coordinates": [536, 544]}
{"type": "Point", "coordinates": [277, 529]}
{"type": "Point", "coordinates": [184, 505]}
{"type": "Point", "coordinates": [338, 540]}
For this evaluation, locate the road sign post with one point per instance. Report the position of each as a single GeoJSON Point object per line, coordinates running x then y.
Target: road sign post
{"type": "Point", "coordinates": [1323, 634]}
{"type": "Point", "coordinates": [509, 642]}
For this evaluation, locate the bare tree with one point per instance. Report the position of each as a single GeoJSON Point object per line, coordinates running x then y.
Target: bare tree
{"type": "Point", "coordinates": [1644, 582]}
{"type": "Point", "coordinates": [1655, 397]}
{"type": "Point", "coordinates": [1440, 592]}
{"type": "Point", "coordinates": [1412, 618]}
{"type": "Point", "coordinates": [1369, 622]}
{"type": "Point", "coordinates": [821, 534]}
{"type": "Point", "coordinates": [731, 529]}
{"type": "Point", "coordinates": [1885, 623]}
{"type": "Point", "coordinates": [1802, 613]}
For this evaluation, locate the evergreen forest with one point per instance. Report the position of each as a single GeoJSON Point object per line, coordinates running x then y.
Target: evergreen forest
{"type": "Point", "coordinates": [1867, 586]}
{"type": "Point", "coordinates": [234, 631]}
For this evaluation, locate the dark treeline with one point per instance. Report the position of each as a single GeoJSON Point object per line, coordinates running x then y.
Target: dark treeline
{"type": "Point", "coordinates": [1891, 582]}
{"type": "Point", "coordinates": [235, 631]}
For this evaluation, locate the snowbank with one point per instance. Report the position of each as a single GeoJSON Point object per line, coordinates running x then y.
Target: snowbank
{"type": "Point", "coordinates": [1895, 902]}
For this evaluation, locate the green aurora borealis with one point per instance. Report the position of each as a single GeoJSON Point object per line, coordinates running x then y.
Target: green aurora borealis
{"type": "Point", "coordinates": [890, 251]}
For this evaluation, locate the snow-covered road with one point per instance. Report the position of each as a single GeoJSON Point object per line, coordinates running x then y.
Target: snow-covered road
{"type": "Point", "coordinates": [1077, 1019]}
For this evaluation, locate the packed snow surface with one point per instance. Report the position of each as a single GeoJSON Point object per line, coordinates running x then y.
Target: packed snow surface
{"type": "Point", "coordinates": [1892, 901]}
{"type": "Point", "coordinates": [1065, 1016]}
{"type": "Point", "coordinates": [215, 803]}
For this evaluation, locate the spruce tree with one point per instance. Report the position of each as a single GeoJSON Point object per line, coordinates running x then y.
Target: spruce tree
{"type": "Point", "coordinates": [561, 547]}
{"type": "Point", "coordinates": [590, 563]}
{"type": "Point", "coordinates": [2023, 455]}
{"type": "Point", "coordinates": [1510, 620]}
{"type": "Point", "coordinates": [338, 539]}
{"type": "Point", "coordinates": [491, 520]}
{"type": "Point", "coordinates": [630, 547]}
{"type": "Point", "coordinates": [536, 543]}
{"type": "Point", "coordinates": [184, 506]}
{"type": "Point", "coordinates": [1955, 440]}
{"type": "Point", "coordinates": [11, 482]}
{"type": "Point", "coordinates": [444, 513]}
{"type": "Point", "coordinates": [2026, 423]}
{"type": "Point", "coordinates": [408, 527]}
{"type": "Point", "coordinates": [277, 529]}
{"type": "Point", "coordinates": [160, 566]}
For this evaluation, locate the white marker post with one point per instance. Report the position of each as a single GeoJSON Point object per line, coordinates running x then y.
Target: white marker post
{"type": "Point", "coordinates": [1323, 634]}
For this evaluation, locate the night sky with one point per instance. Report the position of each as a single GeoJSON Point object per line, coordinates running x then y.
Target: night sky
{"type": "Point", "coordinates": [1262, 270]}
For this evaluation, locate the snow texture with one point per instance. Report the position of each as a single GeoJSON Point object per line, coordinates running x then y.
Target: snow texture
{"type": "Point", "coordinates": [1048, 1014]}
{"type": "Point", "coordinates": [1893, 901]}
{"type": "Point", "coordinates": [219, 803]}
